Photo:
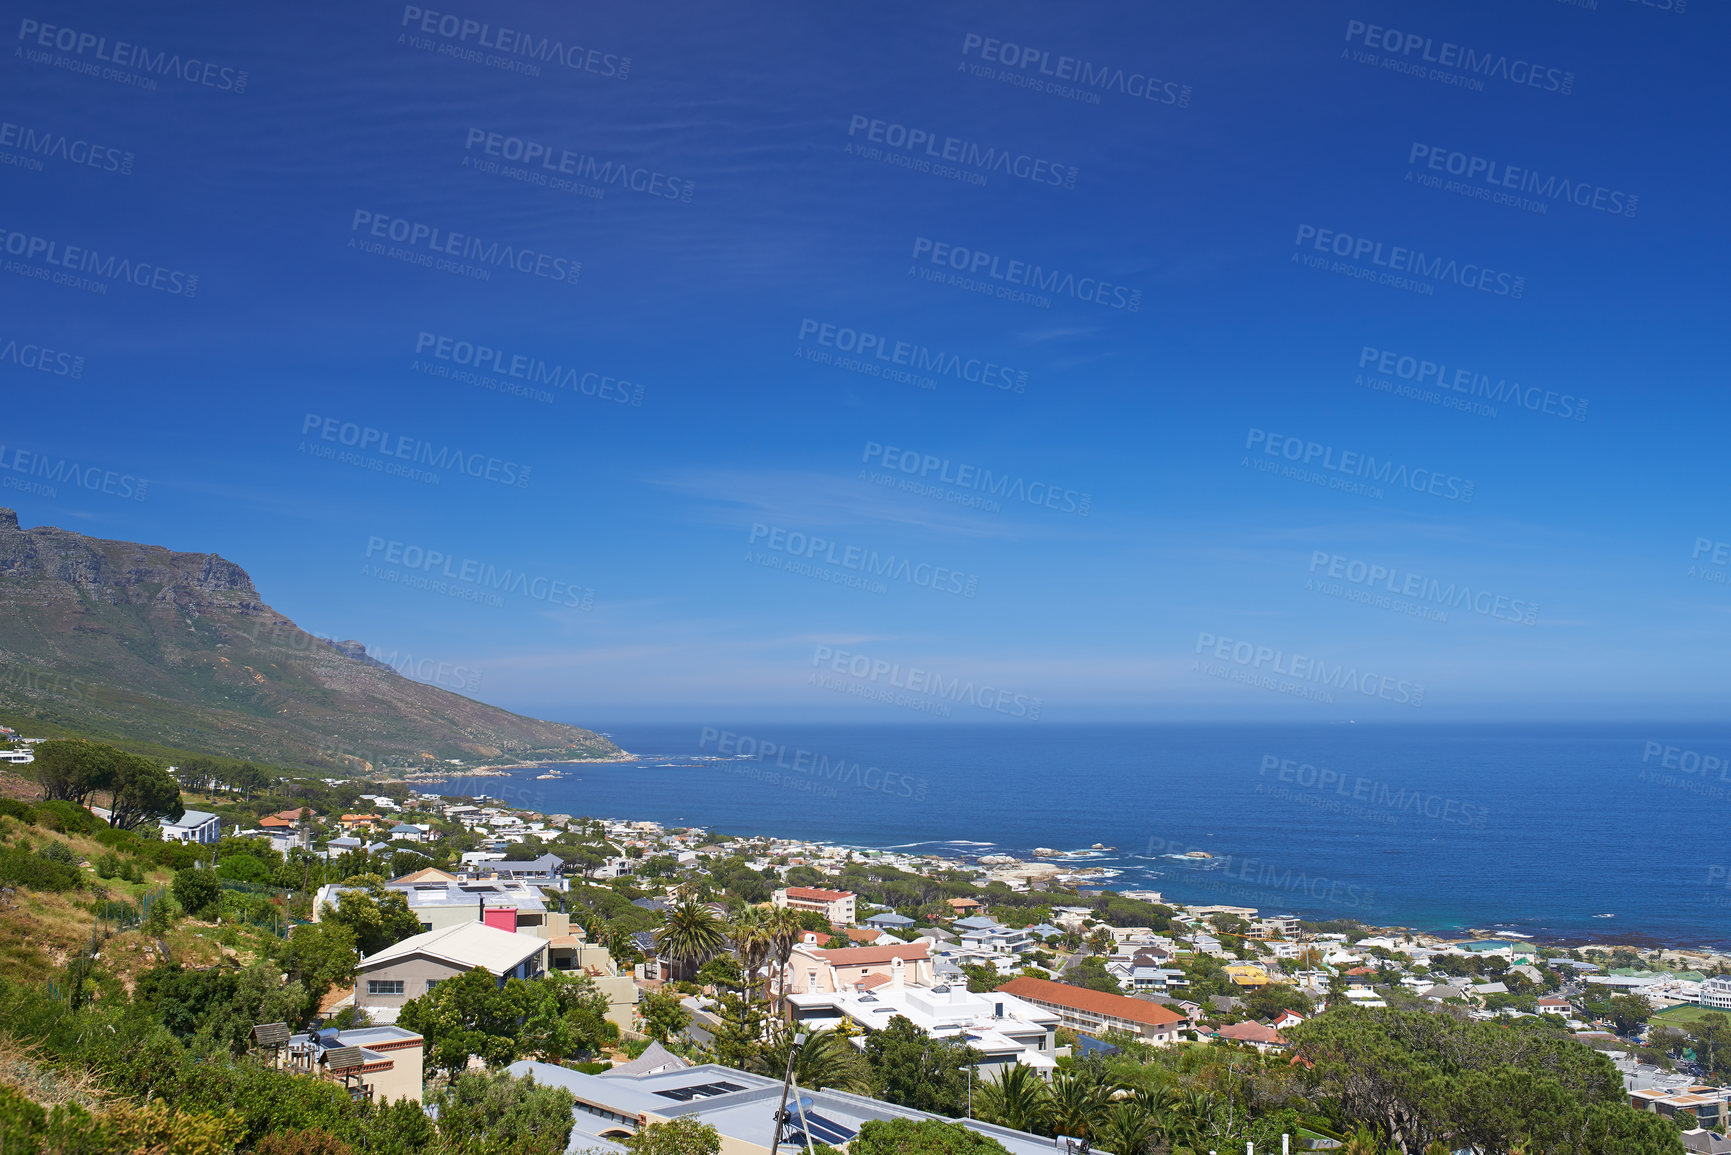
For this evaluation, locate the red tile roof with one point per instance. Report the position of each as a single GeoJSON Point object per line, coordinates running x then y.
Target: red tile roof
{"type": "Point", "coordinates": [1252, 1033]}
{"type": "Point", "coordinates": [871, 982]}
{"type": "Point", "coordinates": [814, 894]}
{"type": "Point", "coordinates": [1094, 1002]}
{"type": "Point", "coordinates": [865, 956]}
{"type": "Point", "coordinates": [863, 934]}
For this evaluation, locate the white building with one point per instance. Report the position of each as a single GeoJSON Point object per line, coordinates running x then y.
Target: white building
{"type": "Point", "coordinates": [193, 826]}
{"type": "Point", "coordinates": [1716, 992]}
{"type": "Point", "coordinates": [1004, 1029]}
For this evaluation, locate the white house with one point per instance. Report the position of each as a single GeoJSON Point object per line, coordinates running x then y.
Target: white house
{"type": "Point", "coordinates": [193, 826]}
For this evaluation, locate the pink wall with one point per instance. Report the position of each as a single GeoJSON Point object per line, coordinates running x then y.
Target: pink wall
{"type": "Point", "coordinates": [502, 917]}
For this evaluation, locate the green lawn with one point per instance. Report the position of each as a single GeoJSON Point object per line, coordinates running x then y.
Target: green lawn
{"type": "Point", "coordinates": [1684, 1015]}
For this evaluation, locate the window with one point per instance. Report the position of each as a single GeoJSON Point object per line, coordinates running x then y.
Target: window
{"type": "Point", "coordinates": [431, 983]}
{"type": "Point", "coordinates": [384, 986]}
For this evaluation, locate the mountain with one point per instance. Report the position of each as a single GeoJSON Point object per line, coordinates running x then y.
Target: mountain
{"type": "Point", "coordinates": [140, 643]}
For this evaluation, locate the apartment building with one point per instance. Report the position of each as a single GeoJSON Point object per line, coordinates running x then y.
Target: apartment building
{"type": "Point", "coordinates": [1094, 1012]}
{"type": "Point", "coordinates": [835, 905]}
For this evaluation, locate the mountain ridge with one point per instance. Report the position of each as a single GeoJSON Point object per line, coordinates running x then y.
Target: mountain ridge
{"type": "Point", "coordinates": [142, 642]}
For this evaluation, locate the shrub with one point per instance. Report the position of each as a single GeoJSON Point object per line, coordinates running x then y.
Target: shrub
{"type": "Point", "coordinates": [19, 867]}
{"type": "Point", "coordinates": [316, 1141]}
{"type": "Point", "coordinates": [22, 1123]}
{"type": "Point", "coordinates": [12, 808]}
{"type": "Point", "coordinates": [196, 890]}
{"type": "Point", "coordinates": [68, 817]}
{"type": "Point", "coordinates": [58, 852]}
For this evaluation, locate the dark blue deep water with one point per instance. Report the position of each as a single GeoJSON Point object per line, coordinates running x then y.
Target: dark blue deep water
{"type": "Point", "coordinates": [1536, 830]}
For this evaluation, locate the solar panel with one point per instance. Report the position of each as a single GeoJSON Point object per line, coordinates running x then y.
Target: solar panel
{"type": "Point", "coordinates": [343, 1058]}
{"type": "Point", "coordinates": [270, 1034]}
{"type": "Point", "coordinates": [826, 1130]}
{"type": "Point", "coordinates": [698, 1091]}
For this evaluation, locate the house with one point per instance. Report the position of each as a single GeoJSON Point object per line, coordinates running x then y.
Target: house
{"type": "Point", "coordinates": [547, 870]}
{"type": "Point", "coordinates": [389, 1065]}
{"type": "Point", "coordinates": [572, 954]}
{"type": "Point", "coordinates": [352, 823]}
{"type": "Point", "coordinates": [963, 907]}
{"type": "Point", "coordinates": [287, 819]}
{"type": "Point", "coordinates": [1278, 926]}
{"type": "Point", "coordinates": [1263, 1038]}
{"type": "Point", "coordinates": [1556, 1006]}
{"type": "Point", "coordinates": [1005, 1030]}
{"type": "Point", "coordinates": [1247, 976]}
{"type": "Point", "coordinates": [869, 936]}
{"type": "Point", "coordinates": [890, 920]}
{"type": "Point", "coordinates": [1093, 1011]}
{"type": "Point", "coordinates": [403, 832]}
{"type": "Point", "coordinates": [336, 846]}
{"type": "Point", "coordinates": [387, 979]}
{"type": "Point", "coordinates": [812, 969]}
{"type": "Point", "coordinates": [835, 905]}
{"type": "Point", "coordinates": [1716, 992]}
{"type": "Point", "coordinates": [193, 826]}
{"type": "Point", "coordinates": [441, 900]}
{"type": "Point", "coordinates": [1285, 1020]}
{"type": "Point", "coordinates": [618, 1103]}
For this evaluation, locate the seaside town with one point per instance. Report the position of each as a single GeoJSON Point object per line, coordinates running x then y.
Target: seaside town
{"type": "Point", "coordinates": [638, 987]}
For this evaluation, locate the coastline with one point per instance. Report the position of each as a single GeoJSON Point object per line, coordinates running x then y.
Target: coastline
{"type": "Point", "coordinates": [970, 854]}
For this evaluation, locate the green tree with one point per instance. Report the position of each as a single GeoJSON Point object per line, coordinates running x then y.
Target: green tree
{"type": "Point", "coordinates": [1017, 1098]}
{"type": "Point", "coordinates": [911, 1068]}
{"type": "Point", "coordinates": [470, 1014]}
{"type": "Point", "coordinates": [922, 1137]}
{"type": "Point", "coordinates": [827, 1059]}
{"type": "Point", "coordinates": [322, 956]}
{"type": "Point", "coordinates": [72, 770]}
{"type": "Point", "coordinates": [785, 931]}
{"type": "Point", "coordinates": [567, 1017]}
{"type": "Point", "coordinates": [689, 933]}
{"type": "Point", "coordinates": [196, 890]}
{"type": "Point", "coordinates": [753, 940]}
{"type": "Point", "coordinates": [1078, 1104]}
{"type": "Point", "coordinates": [141, 791]}
{"type": "Point", "coordinates": [686, 1135]}
{"type": "Point", "coordinates": [495, 1112]}
{"type": "Point", "coordinates": [1127, 1128]}
{"type": "Point", "coordinates": [377, 915]}
{"type": "Point", "coordinates": [662, 1015]}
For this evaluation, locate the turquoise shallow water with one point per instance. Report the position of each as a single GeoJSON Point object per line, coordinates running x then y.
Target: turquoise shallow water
{"type": "Point", "coordinates": [1536, 830]}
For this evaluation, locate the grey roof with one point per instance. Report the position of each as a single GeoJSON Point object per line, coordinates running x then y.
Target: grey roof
{"type": "Point", "coordinates": [546, 864]}
{"type": "Point", "coordinates": [654, 1058]}
{"type": "Point", "coordinates": [655, 904]}
{"type": "Point", "coordinates": [975, 922]}
{"type": "Point", "coordinates": [191, 818]}
{"type": "Point", "coordinates": [1045, 930]}
{"type": "Point", "coordinates": [889, 918]}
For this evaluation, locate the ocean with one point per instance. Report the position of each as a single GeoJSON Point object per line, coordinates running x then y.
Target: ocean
{"type": "Point", "coordinates": [1560, 833]}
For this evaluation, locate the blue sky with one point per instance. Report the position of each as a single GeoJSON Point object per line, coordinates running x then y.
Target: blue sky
{"type": "Point", "coordinates": [1235, 170]}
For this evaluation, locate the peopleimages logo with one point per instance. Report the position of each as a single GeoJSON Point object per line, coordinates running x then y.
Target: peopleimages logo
{"type": "Point", "coordinates": [483, 575]}
{"type": "Point", "coordinates": [866, 562]}
{"type": "Point", "coordinates": [547, 161]}
{"type": "Point", "coordinates": [912, 356]}
{"type": "Point", "coordinates": [1487, 176]}
{"type": "Point", "coordinates": [402, 447]}
{"type": "Point", "coordinates": [41, 358]}
{"type": "Point", "coordinates": [88, 45]}
{"type": "Point", "coordinates": [1359, 789]}
{"type": "Point", "coordinates": [459, 32]}
{"type": "Point", "coordinates": [1398, 259]}
{"type": "Point", "coordinates": [1080, 78]}
{"type": "Point", "coordinates": [1037, 278]}
{"type": "Point", "coordinates": [1403, 583]}
{"type": "Point", "coordinates": [972, 477]}
{"type": "Point", "coordinates": [27, 463]}
{"type": "Point", "coordinates": [442, 242]}
{"type": "Point", "coordinates": [1421, 371]}
{"type": "Point", "coordinates": [1462, 61]}
{"type": "Point", "coordinates": [54, 255]}
{"type": "Point", "coordinates": [530, 371]}
{"type": "Point", "coordinates": [929, 146]}
{"type": "Point", "coordinates": [1257, 660]}
{"type": "Point", "coordinates": [36, 145]}
{"type": "Point", "coordinates": [1352, 463]}
{"type": "Point", "coordinates": [916, 680]}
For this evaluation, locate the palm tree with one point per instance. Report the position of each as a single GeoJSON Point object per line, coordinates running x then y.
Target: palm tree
{"type": "Point", "coordinates": [1128, 1128]}
{"type": "Point", "coordinates": [785, 931]}
{"type": "Point", "coordinates": [1078, 1104]}
{"type": "Point", "coordinates": [1017, 1098]}
{"type": "Point", "coordinates": [689, 932]}
{"type": "Point", "coordinates": [752, 941]}
{"type": "Point", "coordinates": [826, 1060]}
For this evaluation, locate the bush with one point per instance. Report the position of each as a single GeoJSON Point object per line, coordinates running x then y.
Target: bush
{"type": "Point", "coordinates": [68, 818]}
{"type": "Point", "coordinates": [316, 1141]}
{"type": "Point", "coordinates": [19, 867]}
{"type": "Point", "coordinates": [22, 1123]}
{"type": "Point", "coordinates": [58, 852]}
{"type": "Point", "coordinates": [12, 808]}
{"type": "Point", "coordinates": [196, 890]}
